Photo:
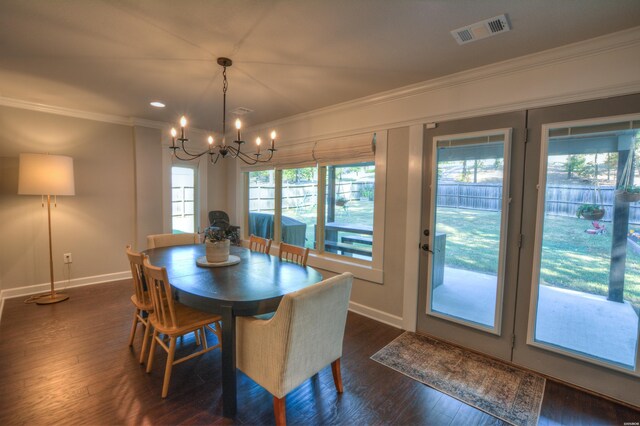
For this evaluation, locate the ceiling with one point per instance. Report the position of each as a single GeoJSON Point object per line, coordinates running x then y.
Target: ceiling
{"type": "Point", "coordinates": [289, 57]}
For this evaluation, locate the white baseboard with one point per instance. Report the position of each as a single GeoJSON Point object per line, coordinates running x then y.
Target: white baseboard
{"type": "Point", "coordinates": [60, 285]}
{"type": "Point", "coordinates": [383, 317]}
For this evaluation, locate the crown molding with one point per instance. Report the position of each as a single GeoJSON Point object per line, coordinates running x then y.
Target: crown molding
{"type": "Point", "coordinates": [567, 53]}
{"type": "Point", "coordinates": [68, 112]}
{"type": "Point", "coordinates": [562, 54]}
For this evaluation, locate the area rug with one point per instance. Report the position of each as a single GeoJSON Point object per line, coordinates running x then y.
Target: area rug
{"type": "Point", "coordinates": [499, 389]}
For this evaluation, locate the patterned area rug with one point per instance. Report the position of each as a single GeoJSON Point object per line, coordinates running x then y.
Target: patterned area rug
{"type": "Point", "coordinates": [499, 389]}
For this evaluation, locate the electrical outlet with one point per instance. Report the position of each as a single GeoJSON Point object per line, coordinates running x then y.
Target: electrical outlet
{"type": "Point", "coordinates": [67, 258]}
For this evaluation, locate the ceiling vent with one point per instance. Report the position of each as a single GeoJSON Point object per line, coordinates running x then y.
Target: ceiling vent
{"type": "Point", "coordinates": [241, 111]}
{"type": "Point", "coordinates": [479, 30]}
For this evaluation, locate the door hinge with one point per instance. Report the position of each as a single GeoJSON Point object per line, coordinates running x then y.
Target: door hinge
{"type": "Point", "coordinates": [520, 238]}
{"type": "Point", "coordinates": [526, 134]}
{"type": "Point", "coordinates": [513, 341]}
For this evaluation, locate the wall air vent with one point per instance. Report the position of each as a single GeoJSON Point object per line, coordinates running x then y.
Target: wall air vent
{"type": "Point", "coordinates": [479, 30]}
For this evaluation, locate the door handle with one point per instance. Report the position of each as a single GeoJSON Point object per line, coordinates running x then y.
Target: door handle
{"type": "Point", "coordinates": [425, 247]}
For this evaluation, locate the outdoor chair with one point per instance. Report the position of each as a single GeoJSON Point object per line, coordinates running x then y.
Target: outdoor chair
{"type": "Point", "coordinates": [220, 219]}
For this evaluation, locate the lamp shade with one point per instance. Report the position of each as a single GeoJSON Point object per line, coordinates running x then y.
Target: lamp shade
{"type": "Point", "coordinates": [43, 174]}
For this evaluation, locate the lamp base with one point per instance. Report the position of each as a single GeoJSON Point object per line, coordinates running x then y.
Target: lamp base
{"type": "Point", "coordinates": [49, 299]}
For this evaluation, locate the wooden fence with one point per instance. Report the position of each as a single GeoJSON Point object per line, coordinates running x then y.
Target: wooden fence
{"type": "Point", "coordinates": [562, 200]}
{"type": "Point", "coordinates": [261, 196]}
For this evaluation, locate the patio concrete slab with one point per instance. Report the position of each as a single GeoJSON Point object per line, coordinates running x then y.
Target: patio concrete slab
{"type": "Point", "coordinates": [581, 322]}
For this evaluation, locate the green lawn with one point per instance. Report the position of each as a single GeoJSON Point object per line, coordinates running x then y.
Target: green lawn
{"type": "Point", "coordinates": [356, 212]}
{"type": "Point", "coordinates": [571, 259]}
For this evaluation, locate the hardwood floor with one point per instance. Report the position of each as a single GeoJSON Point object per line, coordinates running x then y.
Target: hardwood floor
{"type": "Point", "coordinates": [69, 363]}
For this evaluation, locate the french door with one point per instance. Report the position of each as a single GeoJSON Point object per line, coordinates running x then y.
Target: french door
{"type": "Point", "coordinates": [579, 277]}
{"type": "Point", "coordinates": [471, 203]}
{"type": "Point", "coordinates": [529, 253]}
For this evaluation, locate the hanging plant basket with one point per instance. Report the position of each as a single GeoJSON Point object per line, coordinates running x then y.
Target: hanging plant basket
{"type": "Point", "coordinates": [628, 196]}
{"type": "Point", "coordinates": [590, 212]}
{"type": "Point", "coordinates": [595, 215]}
{"type": "Point", "coordinates": [627, 191]}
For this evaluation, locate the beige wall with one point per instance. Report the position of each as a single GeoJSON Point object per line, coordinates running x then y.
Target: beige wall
{"type": "Point", "coordinates": [388, 296]}
{"type": "Point", "coordinates": [148, 184]}
{"type": "Point", "coordinates": [96, 223]}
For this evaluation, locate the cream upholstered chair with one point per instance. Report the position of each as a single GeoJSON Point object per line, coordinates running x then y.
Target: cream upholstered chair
{"type": "Point", "coordinates": [166, 240]}
{"type": "Point", "coordinates": [304, 336]}
{"type": "Point", "coordinates": [141, 299]}
{"type": "Point", "coordinates": [293, 253]}
{"type": "Point", "coordinates": [173, 319]}
{"type": "Point", "coordinates": [263, 245]}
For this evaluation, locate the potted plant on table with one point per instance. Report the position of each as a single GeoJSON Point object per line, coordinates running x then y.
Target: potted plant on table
{"type": "Point", "coordinates": [590, 211]}
{"type": "Point", "coordinates": [216, 245]}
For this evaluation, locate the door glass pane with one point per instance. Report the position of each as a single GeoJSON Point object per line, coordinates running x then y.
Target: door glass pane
{"type": "Point", "coordinates": [349, 210]}
{"type": "Point", "coordinates": [588, 283]}
{"type": "Point", "coordinates": [300, 206]}
{"type": "Point", "coordinates": [467, 239]}
{"type": "Point", "coordinates": [182, 200]}
{"type": "Point", "coordinates": [261, 203]}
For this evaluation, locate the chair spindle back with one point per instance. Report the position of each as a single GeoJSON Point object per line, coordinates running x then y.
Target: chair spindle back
{"type": "Point", "coordinates": [161, 296]}
{"type": "Point", "coordinates": [137, 272]}
{"type": "Point", "coordinates": [295, 254]}
{"type": "Point", "coordinates": [263, 245]}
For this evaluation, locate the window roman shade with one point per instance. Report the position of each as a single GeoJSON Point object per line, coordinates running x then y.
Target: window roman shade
{"type": "Point", "coordinates": [349, 149]}
{"type": "Point", "coordinates": [344, 150]}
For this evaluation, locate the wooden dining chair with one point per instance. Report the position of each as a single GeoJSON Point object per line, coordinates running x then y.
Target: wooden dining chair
{"type": "Point", "coordinates": [173, 319]}
{"type": "Point", "coordinates": [263, 245]}
{"type": "Point", "coordinates": [141, 300]}
{"type": "Point", "coordinates": [293, 253]}
{"type": "Point", "coordinates": [304, 336]}
{"type": "Point", "coordinates": [166, 240]}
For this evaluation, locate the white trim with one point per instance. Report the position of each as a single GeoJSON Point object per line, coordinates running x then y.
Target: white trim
{"type": "Point", "coordinates": [339, 264]}
{"type": "Point", "coordinates": [504, 216]}
{"type": "Point", "coordinates": [413, 232]}
{"type": "Point", "coordinates": [537, 248]}
{"type": "Point", "coordinates": [60, 286]}
{"type": "Point", "coordinates": [375, 314]}
{"type": "Point", "coordinates": [563, 54]}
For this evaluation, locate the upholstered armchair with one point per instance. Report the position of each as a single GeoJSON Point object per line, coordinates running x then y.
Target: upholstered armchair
{"type": "Point", "coordinates": [304, 336]}
{"type": "Point", "coordinates": [166, 240]}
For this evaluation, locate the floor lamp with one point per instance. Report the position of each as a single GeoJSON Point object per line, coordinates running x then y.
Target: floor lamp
{"type": "Point", "coordinates": [43, 174]}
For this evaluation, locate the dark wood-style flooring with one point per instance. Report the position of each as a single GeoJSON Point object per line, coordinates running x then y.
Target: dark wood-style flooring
{"type": "Point", "coordinates": [69, 363]}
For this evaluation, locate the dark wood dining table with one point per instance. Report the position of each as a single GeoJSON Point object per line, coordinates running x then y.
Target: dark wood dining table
{"type": "Point", "coordinates": [252, 287]}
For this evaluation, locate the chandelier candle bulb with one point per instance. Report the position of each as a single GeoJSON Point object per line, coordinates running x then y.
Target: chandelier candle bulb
{"type": "Point", "coordinates": [258, 141]}
{"type": "Point", "coordinates": [238, 126]}
{"type": "Point", "coordinates": [174, 133]}
{"type": "Point", "coordinates": [273, 139]}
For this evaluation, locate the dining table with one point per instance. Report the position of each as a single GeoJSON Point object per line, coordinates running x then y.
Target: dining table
{"type": "Point", "coordinates": [253, 286]}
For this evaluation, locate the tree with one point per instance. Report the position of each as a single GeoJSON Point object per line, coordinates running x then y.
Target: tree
{"type": "Point", "coordinates": [576, 164]}
{"type": "Point", "coordinates": [297, 175]}
{"type": "Point", "coordinates": [611, 163]}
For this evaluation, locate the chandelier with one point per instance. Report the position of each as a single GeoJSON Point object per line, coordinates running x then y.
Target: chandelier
{"type": "Point", "coordinates": [221, 150]}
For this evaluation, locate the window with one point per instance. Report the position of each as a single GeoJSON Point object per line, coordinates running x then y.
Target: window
{"type": "Point", "coordinates": [182, 200]}
{"type": "Point", "coordinates": [299, 206]}
{"type": "Point", "coordinates": [261, 203]}
{"type": "Point", "coordinates": [587, 269]}
{"type": "Point", "coordinates": [321, 195]}
{"type": "Point", "coordinates": [348, 200]}
{"type": "Point", "coordinates": [349, 210]}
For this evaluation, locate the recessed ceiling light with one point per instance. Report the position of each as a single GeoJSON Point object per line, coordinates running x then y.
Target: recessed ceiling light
{"type": "Point", "coordinates": [157, 104]}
